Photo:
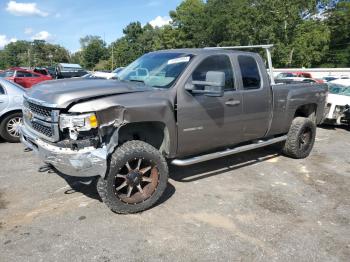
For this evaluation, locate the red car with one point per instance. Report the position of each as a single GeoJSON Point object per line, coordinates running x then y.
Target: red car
{"type": "Point", "coordinates": [24, 77]}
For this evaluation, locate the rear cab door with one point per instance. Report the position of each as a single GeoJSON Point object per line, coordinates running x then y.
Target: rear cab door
{"type": "Point", "coordinates": [254, 84]}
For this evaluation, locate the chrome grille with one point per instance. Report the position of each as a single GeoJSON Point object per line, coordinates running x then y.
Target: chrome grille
{"type": "Point", "coordinates": [41, 120]}
{"type": "Point", "coordinates": [45, 130]}
{"type": "Point", "coordinates": [38, 110]}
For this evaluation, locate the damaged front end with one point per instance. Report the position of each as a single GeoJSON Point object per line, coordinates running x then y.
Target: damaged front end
{"type": "Point", "coordinates": [340, 115]}
{"type": "Point", "coordinates": [83, 143]}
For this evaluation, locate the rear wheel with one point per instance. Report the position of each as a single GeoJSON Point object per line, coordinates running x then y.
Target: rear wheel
{"type": "Point", "coordinates": [9, 127]}
{"type": "Point", "coordinates": [301, 138]}
{"type": "Point", "coordinates": [137, 178]}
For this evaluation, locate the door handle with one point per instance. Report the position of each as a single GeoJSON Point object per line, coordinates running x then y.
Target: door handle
{"type": "Point", "coordinates": [233, 103]}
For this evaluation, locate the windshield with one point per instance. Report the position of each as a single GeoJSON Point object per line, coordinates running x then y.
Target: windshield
{"type": "Point", "coordinates": [8, 73]}
{"type": "Point", "coordinates": [339, 89]}
{"type": "Point", "coordinates": [156, 69]}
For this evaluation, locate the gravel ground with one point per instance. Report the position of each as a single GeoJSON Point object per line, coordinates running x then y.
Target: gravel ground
{"type": "Point", "coordinates": [256, 206]}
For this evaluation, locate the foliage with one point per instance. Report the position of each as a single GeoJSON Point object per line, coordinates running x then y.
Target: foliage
{"type": "Point", "coordinates": [93, 50]}
{"type": "Point", "coordinates": [306, 33]}
{"type": "Point", "coordinates": [339, 25]}
{"type": "Point", "coordinates": [30, 54]}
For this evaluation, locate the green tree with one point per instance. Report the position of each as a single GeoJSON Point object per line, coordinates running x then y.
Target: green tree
{"type": "Point", "coordinates": [36, 53]}
{"type": "Point", "coordinates": [93, 50]}
{"type": "Point", "coordinates": [339, 25]}
{"type": "Point", "coordinates": [191, 21]}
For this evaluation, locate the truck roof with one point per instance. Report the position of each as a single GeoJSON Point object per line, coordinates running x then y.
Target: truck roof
{"type": "Point", "coordinates": [199, 51]}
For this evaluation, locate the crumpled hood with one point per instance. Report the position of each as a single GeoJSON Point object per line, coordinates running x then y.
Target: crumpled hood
{"type": "Point", "coordinates": [62, 93]}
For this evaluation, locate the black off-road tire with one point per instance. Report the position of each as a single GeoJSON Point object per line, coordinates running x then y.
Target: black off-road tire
{"type": "Point", "coordinates": [126, 152]}
{"type": "Point", "coordinates": [294, 147]}
{"type": "Point", "coordinates": [3, 128]}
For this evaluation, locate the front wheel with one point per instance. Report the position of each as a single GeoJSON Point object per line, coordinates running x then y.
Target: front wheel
{"type": "Point", "coordinates": [300, 138]}
{"type": "Point", "coordinates": [9, 127]}
{"type": "Point", "coordinates": [137, 178]}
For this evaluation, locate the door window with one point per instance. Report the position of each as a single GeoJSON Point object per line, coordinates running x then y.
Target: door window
{"type": "Point", "coordinates": [219, 63]}
{"type": "Point", "coordinates": [23, 74]}
{"type": "Point", "coordinates": [250, 72]}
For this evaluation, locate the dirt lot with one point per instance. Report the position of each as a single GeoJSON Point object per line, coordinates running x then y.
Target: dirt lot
{"type": "Point", "coordinates": [256, 206]}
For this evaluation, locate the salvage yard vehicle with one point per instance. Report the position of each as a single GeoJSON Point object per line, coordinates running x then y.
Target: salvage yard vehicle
{"type": "Point", "coordinates": [24, 77]}
{"type": "Point", "coordinates": [11, 98]}
{"type": "Point", "coordinates": [338, 102]}
{"type": "Point", "coordinates": [64, 70]}
{"type": "Point", "coordinates": [291, 77]}
{"type": "Point", "coordinates": [185, 106]}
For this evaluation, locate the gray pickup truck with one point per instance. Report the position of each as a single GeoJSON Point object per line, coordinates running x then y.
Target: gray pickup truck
{"type": "Point", "coordinates": [180, 106]}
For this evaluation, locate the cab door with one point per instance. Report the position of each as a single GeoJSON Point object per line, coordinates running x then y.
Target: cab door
{"type": "Point", "coordinates": [207, 122]}
{"type": "Point", "coordinates": [257, 97]}
{"type": "Point", "coordinates": [3, 99]}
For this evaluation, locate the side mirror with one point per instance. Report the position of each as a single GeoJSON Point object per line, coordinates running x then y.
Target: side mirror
{"type": "Point", "coordinates": [213, 85]}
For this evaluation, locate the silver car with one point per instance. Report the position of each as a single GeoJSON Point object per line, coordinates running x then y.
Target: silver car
{"type": "Point", "coordinates": [11, 99]}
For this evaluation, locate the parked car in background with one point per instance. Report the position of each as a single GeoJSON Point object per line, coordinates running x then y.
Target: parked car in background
{"type": "Point", "coordinates": [289, 77]}
{"type": "Point", "coordinates": [294, 80]}
{"type": "Point", "coordinates": [327, 79]}
{"type": "Point", "coordinates": [24, 77]}
{"type": "Point", "coordinates": [332, 78]}
{"type": "Point", "coordinates": [52, 71]}
{"type": "Point", "coordinates": [41, 70]}
{"type": "Point", "coordinates": [338, 102]}
{"type": "Point", "coordinates": [64, 70]}
{"type": "Point", "coordinates": [92, 76]}
{"type": "Point", "coordinates": [106, 75]}
{"type": "Point", "coordinates": [11, 99]}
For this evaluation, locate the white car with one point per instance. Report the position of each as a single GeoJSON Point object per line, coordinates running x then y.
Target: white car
{"type": "Point", "coordinates": [338, 102]}
{"type": "Point", "coordinates": [113, 74]}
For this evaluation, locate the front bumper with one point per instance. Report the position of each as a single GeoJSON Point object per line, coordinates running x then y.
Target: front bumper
{"type": "Point", "coordinates": [87, 162]}
{"type": "Point", "coordinates": [342, 116]}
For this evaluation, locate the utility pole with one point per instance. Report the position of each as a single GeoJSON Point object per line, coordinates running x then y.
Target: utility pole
{"type": "Point", "coordinates": [112, 57]}
{"type": "Point", "coordinates": [28, 57]}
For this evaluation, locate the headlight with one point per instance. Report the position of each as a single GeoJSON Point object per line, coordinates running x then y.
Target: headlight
{"type": "Point", "coordinates": [84, 122]}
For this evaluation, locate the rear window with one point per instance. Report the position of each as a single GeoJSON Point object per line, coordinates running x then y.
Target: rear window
{"type": "Point", "coordinates": [250, 72]}
{"type": "Point", "coordinates": [23, 74]}
{"type": "Point", "coordinates": [40, 71]}
{"type": "Point", "coordinates": [7, 73]}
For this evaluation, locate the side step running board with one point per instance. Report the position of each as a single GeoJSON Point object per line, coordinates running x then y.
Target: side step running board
{"type": "Point", "coordinates": [227, 152]}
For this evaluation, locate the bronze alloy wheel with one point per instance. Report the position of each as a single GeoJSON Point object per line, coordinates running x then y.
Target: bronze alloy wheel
{"type": "Point", "coordinates": [137, 178]}
{"type": "Point", "coordinates": [136, 181]}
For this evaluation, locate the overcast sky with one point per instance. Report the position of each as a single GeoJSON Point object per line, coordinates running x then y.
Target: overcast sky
{"type": "Point", "coordinates": [65, 21]}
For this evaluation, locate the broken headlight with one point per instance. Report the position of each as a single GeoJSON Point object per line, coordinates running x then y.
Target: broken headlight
{"type": "Point", "coordinates": [84, 122]}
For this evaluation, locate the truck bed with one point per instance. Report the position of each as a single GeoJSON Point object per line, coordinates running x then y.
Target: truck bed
{"type": "Point", "coordinates": [287, 98]}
